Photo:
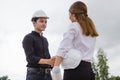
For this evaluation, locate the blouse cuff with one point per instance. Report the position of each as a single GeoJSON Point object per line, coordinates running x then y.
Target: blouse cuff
{"type": "Point", "coordinates": [62, 53]}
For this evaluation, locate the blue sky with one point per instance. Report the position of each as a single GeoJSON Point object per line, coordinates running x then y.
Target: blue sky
{"type": "Point", "coordinates": [15, 23]}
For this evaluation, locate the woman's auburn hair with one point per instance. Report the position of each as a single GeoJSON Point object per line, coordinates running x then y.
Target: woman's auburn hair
{"type": "Point", "coordinates": [79, 9]}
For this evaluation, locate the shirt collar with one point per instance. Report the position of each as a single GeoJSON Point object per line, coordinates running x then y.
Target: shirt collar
{"type": "Point", "coordinates": [36, 33]}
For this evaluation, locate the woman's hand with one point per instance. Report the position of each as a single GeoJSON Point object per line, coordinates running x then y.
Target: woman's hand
{"type": "Point", "coordinates": [58, 60]}
{"type": "Point", "coordinates": [52, 61]}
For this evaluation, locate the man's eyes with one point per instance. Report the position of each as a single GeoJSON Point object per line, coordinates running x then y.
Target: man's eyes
{"type": "Point", "coordinates": [43, 21]}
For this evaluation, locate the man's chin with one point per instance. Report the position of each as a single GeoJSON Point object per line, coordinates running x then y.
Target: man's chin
{"type": "Point", "coordinates": [43, 30]}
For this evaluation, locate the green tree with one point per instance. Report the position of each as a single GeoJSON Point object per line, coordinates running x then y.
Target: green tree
{"type": "Point", "coordinates": [114, 78]}
{"type": "Point", "coordinates": [100, 68]}
{"type": "Point", "coordinates": [95, 68]}
{"type": "Point", "coordinates": [4, 78]}
{"type": "Point", "coordinates": [102, 65]}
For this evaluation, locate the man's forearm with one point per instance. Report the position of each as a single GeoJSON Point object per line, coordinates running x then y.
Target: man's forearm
{"type": "Point", "coordinates": [43, 61]}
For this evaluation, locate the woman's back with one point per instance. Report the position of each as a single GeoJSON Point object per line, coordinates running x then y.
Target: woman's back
{"type": "Point", "coordinates": [83, 43]}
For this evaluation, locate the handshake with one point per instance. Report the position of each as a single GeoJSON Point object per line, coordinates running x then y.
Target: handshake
{"type": "Point", "coordinates": [55, 61]}
{"type": "Point", "coordinates": [51, 61]}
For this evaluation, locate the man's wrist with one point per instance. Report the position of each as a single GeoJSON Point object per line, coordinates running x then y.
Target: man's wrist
{"type": "Point", "coordinates": [46, 61]}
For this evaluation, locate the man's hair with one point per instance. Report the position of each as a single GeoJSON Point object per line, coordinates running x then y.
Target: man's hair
{"type": "Point", "coordinates": [34, 19]}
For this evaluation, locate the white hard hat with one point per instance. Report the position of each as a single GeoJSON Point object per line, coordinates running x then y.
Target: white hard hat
{"type": "Point", "coordinates": [40, 13]}
{"type": "Point", "coordinates": [72, 59]}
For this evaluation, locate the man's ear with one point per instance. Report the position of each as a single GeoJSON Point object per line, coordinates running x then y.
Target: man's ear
{"type": "Point", "coordinates": [34, 23]}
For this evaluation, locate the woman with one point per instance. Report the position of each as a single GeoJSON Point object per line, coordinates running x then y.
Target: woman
{"type": "Point", "coordinates": [81, 35]}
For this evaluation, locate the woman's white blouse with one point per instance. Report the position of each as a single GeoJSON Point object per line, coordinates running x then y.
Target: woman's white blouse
{"type": "Point", "coordinates": [74, 38]}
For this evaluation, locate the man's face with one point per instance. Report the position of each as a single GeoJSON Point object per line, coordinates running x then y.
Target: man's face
{"type": "Point", "coordinates": [40, 24]}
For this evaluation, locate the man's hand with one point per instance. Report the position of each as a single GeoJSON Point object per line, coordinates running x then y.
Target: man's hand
{"type": "Point", "coordinates": [47, 61]}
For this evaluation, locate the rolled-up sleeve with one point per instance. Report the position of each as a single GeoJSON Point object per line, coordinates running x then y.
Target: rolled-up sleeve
{"type": "Point", "coordinates": [29, 50]}
{"type": "Point", "coordinates": [67, 42]}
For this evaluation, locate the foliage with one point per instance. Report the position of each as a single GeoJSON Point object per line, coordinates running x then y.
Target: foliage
{"type": "Point", "coordinates": [101, 68]}
{"type": "Point", "coordinates": [114, 78]}
{"type": "Point", "coordinates": [4, 78]}
{"type": "Point", "coordinates": [102, 65]}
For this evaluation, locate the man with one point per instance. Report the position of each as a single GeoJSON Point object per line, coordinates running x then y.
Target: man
{"type": "Point", "coordinates": [35, 46]}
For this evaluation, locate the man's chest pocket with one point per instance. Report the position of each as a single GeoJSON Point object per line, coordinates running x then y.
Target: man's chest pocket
{"type": "Point", "coordinates": [38, 44]}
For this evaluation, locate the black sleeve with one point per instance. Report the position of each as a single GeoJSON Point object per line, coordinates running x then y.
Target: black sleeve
{"type": "Point", "coordinates": [28, 42]}
{"type": "Point", "coordinates": [46, 47]}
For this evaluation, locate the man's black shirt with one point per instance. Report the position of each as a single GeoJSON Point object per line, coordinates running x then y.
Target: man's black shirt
{"type": "Point", "coordinates": [35, 47]}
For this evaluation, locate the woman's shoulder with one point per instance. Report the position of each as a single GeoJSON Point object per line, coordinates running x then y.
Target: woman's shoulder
{"type": "Point", "coordinates": [75, 26]}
